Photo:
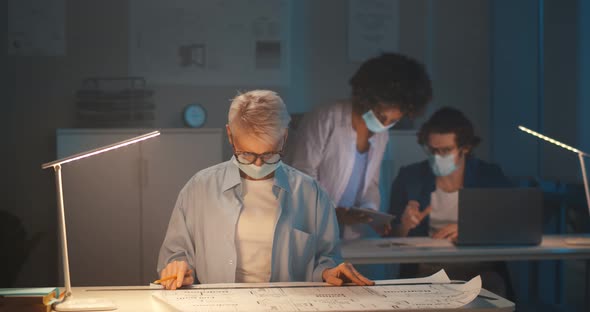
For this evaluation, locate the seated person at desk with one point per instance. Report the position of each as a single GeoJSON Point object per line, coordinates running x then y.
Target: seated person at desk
{"type": "Point", "coordinates": [253, 218]}
{"type": "Point", "coordinates": [425, 194]}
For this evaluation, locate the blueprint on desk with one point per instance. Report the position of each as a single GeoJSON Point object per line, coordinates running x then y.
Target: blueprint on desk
{"type": "Point", "coordinates": [434, 292]}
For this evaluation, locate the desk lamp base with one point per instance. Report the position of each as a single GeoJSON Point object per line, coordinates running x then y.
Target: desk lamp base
{"type": "Point", "coordinates": [85, 304]}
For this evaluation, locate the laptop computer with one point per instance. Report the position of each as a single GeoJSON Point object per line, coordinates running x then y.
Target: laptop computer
{"type": "Point", "coordinates": [500, 216]}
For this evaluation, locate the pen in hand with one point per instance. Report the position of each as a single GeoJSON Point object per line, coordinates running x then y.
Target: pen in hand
{"type": "Point", "coordinates": [171, 277]}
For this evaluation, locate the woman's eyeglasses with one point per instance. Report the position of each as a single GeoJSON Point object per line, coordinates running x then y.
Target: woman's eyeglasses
{"type": "Point", "coordinates": [247, 158]}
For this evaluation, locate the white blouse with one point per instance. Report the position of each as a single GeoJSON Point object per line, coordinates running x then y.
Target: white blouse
{"type": "Point", "coordinates": [254, 232]}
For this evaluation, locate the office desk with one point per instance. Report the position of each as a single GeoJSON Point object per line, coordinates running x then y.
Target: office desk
{"type": "Point", "coordinates": [139, 298]}
{"type": "Point", "coordinates": [425, 249]}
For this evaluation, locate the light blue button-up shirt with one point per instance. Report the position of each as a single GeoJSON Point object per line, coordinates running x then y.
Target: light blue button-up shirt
{"type": "Point", "coordinates": [202, 227]}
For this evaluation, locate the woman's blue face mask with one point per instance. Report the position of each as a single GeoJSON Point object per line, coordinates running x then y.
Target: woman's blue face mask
{"type": "Point", "coordinates": [373, 123]}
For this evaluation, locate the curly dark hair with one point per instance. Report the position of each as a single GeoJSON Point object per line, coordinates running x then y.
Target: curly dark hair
{"type": "Point", "coordinates": [394, 79]}
{"type": "Point", "coordinates": [449, 120]}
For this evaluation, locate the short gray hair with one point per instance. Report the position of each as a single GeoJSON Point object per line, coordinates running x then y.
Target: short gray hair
{"type": "Point", "coordinates": [261, 113]}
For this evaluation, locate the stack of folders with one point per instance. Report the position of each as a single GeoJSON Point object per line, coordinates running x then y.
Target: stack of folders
{"type": "Point", "coordinates": [28, 299]}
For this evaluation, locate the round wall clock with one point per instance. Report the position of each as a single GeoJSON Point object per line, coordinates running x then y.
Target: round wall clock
{"type": "Point", "coordinates": [194, 115]}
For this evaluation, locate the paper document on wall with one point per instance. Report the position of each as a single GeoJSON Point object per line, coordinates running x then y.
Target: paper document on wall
{"type": "Point", "coordinates": [35, 28]}
{"type": "Point", "coordinates": [381, 297]}
{"type": "Point", "coordinates": [197, 42]}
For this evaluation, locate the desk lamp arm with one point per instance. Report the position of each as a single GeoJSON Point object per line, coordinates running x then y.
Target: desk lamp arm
{"type": "Point", "coordinates": [585, 178]}
{"type": "Point", "coordinates": [62, 231]}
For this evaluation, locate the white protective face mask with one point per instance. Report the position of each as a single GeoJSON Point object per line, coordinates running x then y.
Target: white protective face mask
{"type": "Point", "coordinates": [374, 124]}
{"type": "Point", "coordinates": [442, 165]}
{"type": "Point", "coordinates": [256, 172]}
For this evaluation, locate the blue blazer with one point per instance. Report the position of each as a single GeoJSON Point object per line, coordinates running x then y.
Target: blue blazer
{"type": "Point", "coordinates": [417, 182]}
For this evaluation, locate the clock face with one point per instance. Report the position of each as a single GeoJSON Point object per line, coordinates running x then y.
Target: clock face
{"type": "Point", "coordinates": [194, 115]}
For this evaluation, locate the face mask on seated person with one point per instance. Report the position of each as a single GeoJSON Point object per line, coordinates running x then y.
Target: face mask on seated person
{"type": "Point", "coordinates": [373, 123]}
{"type": "Point", "coordinates": [256, 172]}
{"type": "Point", "coordinates": [442, 165]}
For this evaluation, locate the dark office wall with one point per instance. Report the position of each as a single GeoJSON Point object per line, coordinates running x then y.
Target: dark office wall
{"type": "Point", "coordinates": [7, 156]}
{"type": "Point", "coordinates": [515, 88]}
{"type": "Point", "coordinates": [461, 62]}
{"type": "Point", "coordinates": [538, 82]}
{"type": "Point", "coordinates": [39, 99]}
{"type": "Point", "coordinates": [583, 81]}
{"type": "Point", "coordinates": [5, 108]}
{"type": "Point", "coordinates": [561, 66]}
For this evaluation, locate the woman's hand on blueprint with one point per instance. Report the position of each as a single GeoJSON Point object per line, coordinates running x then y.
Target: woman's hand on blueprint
{"type": "Point", "coordinates": [345, 273]}
{"type": "Point", "coordinates": [176, 274]}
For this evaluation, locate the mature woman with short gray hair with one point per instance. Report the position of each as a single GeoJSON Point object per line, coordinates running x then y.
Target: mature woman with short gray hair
{"type": "Point", "coordinates": [253, 218]}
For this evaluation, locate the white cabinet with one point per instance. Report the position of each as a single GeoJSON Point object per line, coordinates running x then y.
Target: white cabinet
{"type": "Point", "coordinates": [118, 203]}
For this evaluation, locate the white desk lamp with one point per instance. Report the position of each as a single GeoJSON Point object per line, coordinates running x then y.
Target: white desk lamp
{"type": "Point", "coordinates": [581, 240]}
{"type": "Point", "coordinates": [69, 303]}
